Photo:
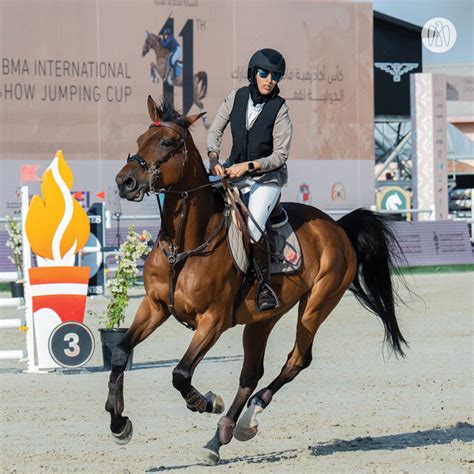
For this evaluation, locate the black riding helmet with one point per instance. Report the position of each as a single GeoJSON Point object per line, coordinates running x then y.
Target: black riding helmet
{"type": "Point", "coordinates": [268, 59]}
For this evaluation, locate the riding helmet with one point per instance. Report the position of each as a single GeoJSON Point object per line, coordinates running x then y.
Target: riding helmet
{"type": "Point", "coordinates": [268, 59]}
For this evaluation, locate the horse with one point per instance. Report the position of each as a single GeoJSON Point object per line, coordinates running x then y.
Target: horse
{"type": "Point", "coordinates": [190, 274]}
{"type": "Point", "coordinates": [162, 66]}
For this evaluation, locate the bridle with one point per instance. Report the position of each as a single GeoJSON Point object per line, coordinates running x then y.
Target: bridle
{"type": "Point", "coordinates": [153, 171]}
{"type": "Point", "coordinates": [172, 255]}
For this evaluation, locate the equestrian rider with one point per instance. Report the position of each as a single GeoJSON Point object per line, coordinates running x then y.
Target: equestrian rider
{"type": "Point", "coordinates": [261, 135]}
{"type": "Point", "coordinates": [168, 41]}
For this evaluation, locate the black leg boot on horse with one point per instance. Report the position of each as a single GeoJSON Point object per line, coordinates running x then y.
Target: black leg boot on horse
{"type": "Point", "coordinates": [120, 426]}
{"type": "Point", "coordinates": [147, 319]}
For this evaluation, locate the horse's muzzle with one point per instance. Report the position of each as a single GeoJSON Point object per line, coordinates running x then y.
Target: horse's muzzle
{"type": "Point", "coordinates": [129, 187]}
{"type": "Point", "coordinates": [126, 183]}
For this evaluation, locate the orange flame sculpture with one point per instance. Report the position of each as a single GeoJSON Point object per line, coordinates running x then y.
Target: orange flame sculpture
{"type": "Point", "coordinates": [57, 228]}
{"type": "Point", "coordinates": [56, 225]}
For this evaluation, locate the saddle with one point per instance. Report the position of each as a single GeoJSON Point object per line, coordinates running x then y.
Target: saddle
{"type": "Point", "coordinates": [282, 242]}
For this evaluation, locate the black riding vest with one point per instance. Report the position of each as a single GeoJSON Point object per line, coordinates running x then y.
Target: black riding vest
{"type": "Point", "coordinates": [249, 145]}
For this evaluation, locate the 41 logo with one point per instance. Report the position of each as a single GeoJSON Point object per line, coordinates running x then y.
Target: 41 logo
{"type": "Point", "coordinates": [174, 65]}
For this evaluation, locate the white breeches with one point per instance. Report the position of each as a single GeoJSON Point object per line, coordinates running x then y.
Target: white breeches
{"type": "Point", "coordinates": [261, 201]}
{"type": "Point", "coordinates": [176, 56]}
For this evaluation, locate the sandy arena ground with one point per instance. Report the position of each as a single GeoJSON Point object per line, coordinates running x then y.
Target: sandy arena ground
{"type": "Point", "coordinates": [353, 410]}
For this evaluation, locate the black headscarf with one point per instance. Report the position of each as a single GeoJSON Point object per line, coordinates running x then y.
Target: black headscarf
{"type": "Point", "coordinates": [258, 98]}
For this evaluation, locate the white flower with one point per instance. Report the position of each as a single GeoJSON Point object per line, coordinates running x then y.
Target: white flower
{"type": "Point", "coordinates": [14, 242]}
{"type": "Point", "coordinates": [130, 253]}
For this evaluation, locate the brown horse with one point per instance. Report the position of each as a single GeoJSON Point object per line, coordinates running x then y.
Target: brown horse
{"type": "Point", "coordinates": [162, 66]}
{"type": "Point", "coordinates": [190, 274]}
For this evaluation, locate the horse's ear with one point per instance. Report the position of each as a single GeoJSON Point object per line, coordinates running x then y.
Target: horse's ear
{"type": "Point", "coordinates": [153, 110]}
{"type": "Point", "coordinates": [192, 118]}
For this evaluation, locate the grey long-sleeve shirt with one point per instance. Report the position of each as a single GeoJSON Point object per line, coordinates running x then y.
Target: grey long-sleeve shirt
{"type": "Point", "coordinates": [282, 133]}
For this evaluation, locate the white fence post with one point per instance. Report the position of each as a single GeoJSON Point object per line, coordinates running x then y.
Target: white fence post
{"type": "Point", "coordinates": [23, 304]}
{"type": "Point", "coordinates": [30, 335]}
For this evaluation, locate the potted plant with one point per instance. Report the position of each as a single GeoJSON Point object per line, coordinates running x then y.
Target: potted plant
{"type": "Point", "coordinates": [14, 241]}
{"type": "Point", "coordinates": [135, 247]}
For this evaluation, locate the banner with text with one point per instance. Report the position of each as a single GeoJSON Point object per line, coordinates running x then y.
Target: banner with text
{"type": "Point", "coordinates": [76, 75]}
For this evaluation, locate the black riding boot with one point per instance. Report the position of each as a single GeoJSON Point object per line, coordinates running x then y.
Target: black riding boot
{"type": "Point", "coordinates": [265, 298]}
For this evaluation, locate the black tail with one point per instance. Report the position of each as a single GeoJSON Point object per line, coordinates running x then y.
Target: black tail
{"type": "Point", "coordinates": [372, 240]}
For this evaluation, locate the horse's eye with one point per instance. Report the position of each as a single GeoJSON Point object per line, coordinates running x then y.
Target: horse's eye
{"type": "Point", "coordinates": [167, 143]}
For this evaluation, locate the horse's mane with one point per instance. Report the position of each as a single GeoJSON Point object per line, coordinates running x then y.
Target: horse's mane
{"type": "Point", "coordinates": [168, 114]}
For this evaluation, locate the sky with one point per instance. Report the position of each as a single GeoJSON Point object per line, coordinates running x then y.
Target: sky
{"type": "Point", "coordinates": [459, 12]}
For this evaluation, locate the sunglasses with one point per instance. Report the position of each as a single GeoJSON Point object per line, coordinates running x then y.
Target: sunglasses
{"type": "Point", "coordinates": [275, 76]}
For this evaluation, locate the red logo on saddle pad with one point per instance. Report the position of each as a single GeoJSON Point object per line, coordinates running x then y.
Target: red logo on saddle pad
{"type": "Point", "coordinates": [292, 256]}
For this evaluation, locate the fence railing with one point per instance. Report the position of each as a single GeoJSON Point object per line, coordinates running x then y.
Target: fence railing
{"type": "Point", "coordinates": [110, 251]}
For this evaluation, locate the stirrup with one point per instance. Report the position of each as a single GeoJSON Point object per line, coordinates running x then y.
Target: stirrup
{"type": "Point", "coordinates": [265, 299]}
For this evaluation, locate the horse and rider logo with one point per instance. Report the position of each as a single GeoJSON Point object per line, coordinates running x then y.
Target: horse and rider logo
{"type": "Point", "coordinates": [174, 63]}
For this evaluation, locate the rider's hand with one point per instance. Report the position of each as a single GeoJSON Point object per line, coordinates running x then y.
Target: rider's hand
{"type": "Point", "coordinates": [237, 170]}
{"type": "Point", "coordinates": [217, 169]}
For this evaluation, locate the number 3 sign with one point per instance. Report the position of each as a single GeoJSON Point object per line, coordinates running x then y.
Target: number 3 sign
{"type": "Point", "coordinates": [71, 344]}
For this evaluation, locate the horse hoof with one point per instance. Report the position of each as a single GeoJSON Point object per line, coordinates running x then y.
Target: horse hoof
{"type": "Point", "coordinates": [218, 405]}
{"type": "Point", "coordinates": [125, 435]}
{"type": "Point", "coordinates": [210, 457]}
{"type": "Point", "coordinates": [217, 402]}
{"type": "Point", "coordinates": [247, 426]}
{"type": "Point", "coordinates": [245, 433]}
